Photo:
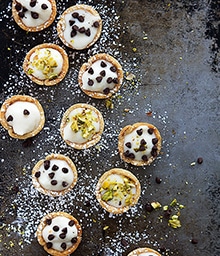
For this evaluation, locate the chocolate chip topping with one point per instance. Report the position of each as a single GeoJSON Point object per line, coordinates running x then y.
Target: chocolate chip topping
{"type": "Point", "coordinates": [56, 228]}
{"type": "Point", "coordinates": [71, 223]}
{"type": "Point", "coordinates": [106, 91]}
{"type": "Point", "coordinates": [21, 14]}
{"type": "Point", "coordinates": [9, 119]}
{"type": "Point", "coordinates": [49, 245]}
{"type": "Point", "coordinates": [144, 158]}
{"type": "Point", "coordinates": [46, 164]}
{"type": "Point", "coordinates": [88, 32]}
{"type": "Point", "coordinates": [82, 30]}
{"type": "Point", "coordinates": [54, 182]}
{"type": "Point", "coordinates": [150, 131]}
{"type": "Point", "coordinates": [64, 230]}
{"type": "Point", "coordinates": [51, 237]}
{"type": "Point", "coordinates": [44, 6]}
{"type": "Point", "coordinates": [140, 132]}
{"type": "Point", "coordinates": [18, 7]}
{"type": "Point", "coordinates": [129, 155]}
{"type": "Point", "coordinates": [142, 147]}
{"type": "Point", "coordinates": [33, 3]}
{"type": "Point", "coordinates": [75, 27]}
{"type": "Point", "coordinates": [154, 141]}
{"type": "Point", "coordinates": [103, 64]}
{"type": "Point", "coordinates": [55, 167]}
{"type": "Point", "coordinates": [91, 71]}
{"type": "Point", "coordinates": [51, 175]}
{"type": "Point", "coordinates": [90, 82]}
{"type": "Point", "coordinates": [81, 18]}
{"type": "Point", "coordinates": [75, 14]}
{"type": "Point", "coordinates": [143, 142]}
{"type": "Point", "coordinates": [34, 15]}
{"type": "Point", "coordinates": [71, 22]}
{"type": "Point", "coordinates": [99, 79]}
{"type": "Point", "coordinates": [26, 112]}
{"type": "Point", "coordinates": [128, 144]}
{"type": "Point", "coordinates": [65, 170]}
{"type": "Point", "coordinates": [63, 246]}
{"type": "Point", "coordinates": [62, 235]}
{"type": "Point", "coordinates": [102, 73]}
{"type": "Point", "coordinates": [73, 33]}
{"type": "Point", "coordinates": [115, 80]}
{"type": "Point", "coordinates": [113, 68]}
{"type": "Point", "coordinates": [74, 240]}
{"type": "Point", "coordinates": [200, 160]}
{"type": "Point", "coordinates": [154, 151]}
{"type": "Point", "coordinates": [48, 221]}
{"type": "Point", "coordinates": [64, 184]}
{"type": "Point", "coordinates": [109, 80]}
{"type": "Point", "coordinates": [37, 174]}
{"type": "Point", "coordinates": [96, 24]}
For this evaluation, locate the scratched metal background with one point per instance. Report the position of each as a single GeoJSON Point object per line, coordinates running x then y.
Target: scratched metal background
{"type": "Point", "coordinates": [173, 49]}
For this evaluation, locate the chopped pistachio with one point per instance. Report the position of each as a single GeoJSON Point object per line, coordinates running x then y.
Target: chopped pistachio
{"type": "Point", "coordinates": [155, 205]}
{"type": "Point", "coordinates": [105, 227]}
{"type": "Point", "coordinates": [108, 195]}
{"type": "Point", "coordinates": [174, 202]}
{"type": "Point", "coordinates": [174, 222]}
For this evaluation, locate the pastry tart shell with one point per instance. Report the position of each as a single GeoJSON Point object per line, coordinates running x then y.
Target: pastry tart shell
{"type": "Point", "coordinates": [143, 250]}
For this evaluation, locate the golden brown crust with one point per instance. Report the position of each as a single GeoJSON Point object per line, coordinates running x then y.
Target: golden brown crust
{"type": "Point", "coordinates": [47, 82]}
{"type": "Point", "coordinates": [86, 66]}
{"type": "Point", "coordinates": [5, 124]}
{"type": "Point", "coordinates": [20, 23]}
{"type": "Point", "coordinates": [61, 25]}
{"type": "Point", "coordinates": [95, 138]}
{"type": "Point", "coordinates": [122, 172]}
{"type": "Point", "coordinates": [41, 189]}
{"type": "Point", "coordinates": [42, 225]}
{"type": "Point", "coordinates": [127, 130]}
{"type": "Point", "coordinates": [143, 250]}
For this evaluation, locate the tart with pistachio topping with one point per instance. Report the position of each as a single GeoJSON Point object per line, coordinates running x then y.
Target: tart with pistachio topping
{"type": "Point", "coordinates": [82, 126]}
{"type": "Point", "coordinates": [46, 64]}
{"type": "Point", "coordinates": [59, 233]}
{"type": "Point", "coordinates": [34, 15]}
{"type": "Point", "coordinates": [139, 144]}
{"type": "Point", "coordinates": [79, 26]}
{"type": "Point", "coordinates": [117, 190]}
{"type": "Point", "coordinates": [101, 76]}
{"type": "Point", "coordinates": [23, 116]}
{"type": "Point", "coordinates": [144, 252]}
{"type": "Point", "coordinates": [55, 175]}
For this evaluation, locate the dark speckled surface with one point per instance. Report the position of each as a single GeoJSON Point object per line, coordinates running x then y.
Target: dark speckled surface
{"type": "Point", "coordinates": [172, 48]}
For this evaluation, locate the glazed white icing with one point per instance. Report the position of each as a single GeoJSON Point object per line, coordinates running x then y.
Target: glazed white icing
{"type": "Point", "coordinates": [45, 54]}
{"type": "Point", "coordinates": [81, 40]}
{"type": "Point", "coordinates": [120, 199]}
{"type": "Point", "coordinates": [135, 140]}
{"type": "Point", "coordinates": [44, 14]}
{"type": "Point", "coordinates": [21, 123]}
{"type": "Point", "coordinates": [61, 222]}
{"type": "Point", "coordinates": [147, 254]}
{"type": "Point", "coordinates": [98, 87]}
{"type": "Point", "coordinates": [59, 176]}
{"type": "Point", "coordinates": [77, 137]}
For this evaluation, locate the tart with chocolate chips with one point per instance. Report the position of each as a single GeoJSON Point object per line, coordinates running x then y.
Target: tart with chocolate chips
{"type": "Point", "coordinates": [59, 233]}
{"type": "Point", "coordinates": [79, 26]}
{"type": "Point", "coordinates": [139, 144]}
{"type": "Point", "coordinates": [82, 126]}
{"type": "Point", "coordinates": [117, 190]}
{"type": "Point", "coordinates": [101, 76]}
{"type": "Point", "coordinates": [46, 64]}
{"type": "Point", "coordinates": [55, 175]}
{"type": "Point", "coordinates": [144, 252]}
{"type": "Point", "coordinates": [34, 15]}
{"type": "Point", "coordinates": [23, 116]}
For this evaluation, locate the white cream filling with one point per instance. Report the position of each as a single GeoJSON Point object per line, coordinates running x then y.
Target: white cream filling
{"type": "Point", "coordinates": [77, 137]}
{"type": "Point", "coordinates": [135, 140]}
{"type": "Point", "coordinates": [59, 176]}
{"type": "Point", "coordinates": [43, 54]}
{"type": "Point", "coordinates": [147, 254]}
{"type": "Point", "coordinates": [44, 15]}
{"type": "Point", "coordinates": [21, 123]}
{"type": "Point", "coordinates": [99, 87]}
{"type": "Point", "coordinates": [61, 222]}
{"type": "Point", "coordinates": [81, 40]}
{"type": "Point", "coordinates": [120, 200]}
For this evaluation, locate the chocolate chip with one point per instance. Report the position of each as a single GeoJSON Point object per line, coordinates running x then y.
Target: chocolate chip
{"type": "Point", "coordinates": [63, 246]}
{"type": "Point", "coordinates": [109, 80]}
{"type": "Point", "coordinates": [56, 228]}
{"type": "Point", "coordinates": [24, 9]}
{"type": "Point", "coordinates": [154, 151]}
{"type": "Point", "coordinates": [44, 6]}
{"type": "Point", "coordinates": [99, 79]}
{"type": "Point", "coordinates": [51, 237]}
{"type": "Point", "coordinates": [54, 182]}
{"type": "Point", "coordinates": [55, 167]}
{"type": "Point", "coordinates": [154, 141]}
{"type": "Point", "coordinates": [129, 155]}
{"type": "Point", "coordinates": [103, 64]}
{"type": "Point", "coordinates": [34, 15]}
{"type": "Point", "coordinates": [64, 230]}
{"type": "Point", "coordinates": [73, 33]}
{"type": "Point", "coordinates": [200, 160]}
{"type": "Point", "coordinates": [21, 14]}
{"type": "Point", "coordinates": [115, 80]}
{"type": "Point", "coordinates": [167, 214]}
{"type": "Point", "coordinates": [194, 241]}
{"type": "Point", "coordinates": [75, 27]}
{"type": "Point", "coordinates": [75, 14]}
{"type": "Point", "coordinates": [71, 223]}
{"type": "Point", "coordinates": [143, 142]}
{"type": "Point", "coordinates": [62, 236]}
{"type": "Point", "coordinates": [102, 73]}
{"type": "Point", "coordinates": [88, 32]}
{"type": "Point", "coordinates": [80, 18]}
{"type": "Point", "coordinates": [149, 207]}
{"type": "Point", "coordinates": [139, 132]}
{"type": "Point", "coordinates": [33, 3]}
{"type": "Point", "coordinates": [37, 174]}
{"type": "Point", "coordinates": [82, 30]}
{"type": "Point", "coordinates": [90, 82]}
{"type": "Point", "coordinates": [71, 22]}
{"type": "Point", "coordinates": [150, 131]}
{"type": "Point", "coordinates": [91, 71]}
{"type": "Point", "coordinates": [9, 119]}
{"type": "Point", "coordinates": [46, 164]}
{"type": "Point", "coordinates": [106, 91]}
{"type": "Point", "coordinates": [51, 175]}
{"type": "Point", "coordinates": [65, 170]}
{"type": "Point", "coordinates": [128, 144]}
{"type": "Point", "coordinates": [74, 240]}
{"type": "Point", "coordinates": [144, 158]}
{"type": "Point", "coordinates": [64, 184]}
{"type": "Point", "coordinates": [96, 24]}
{"type": "Point", "coordinates": [113, 68]}
{"type": "Point", "coordinates": [48, 221]}
{"type": "Point", "coordinates": [158, 180]}
{"type": "Point", "coordinates": [142, 148]}
{"type": "Point", "coordinates": [49, 245]}
{"type": "Point", "coordinates": [26, 112]}
{"type": "Point", "coordinates": [18, 7]}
